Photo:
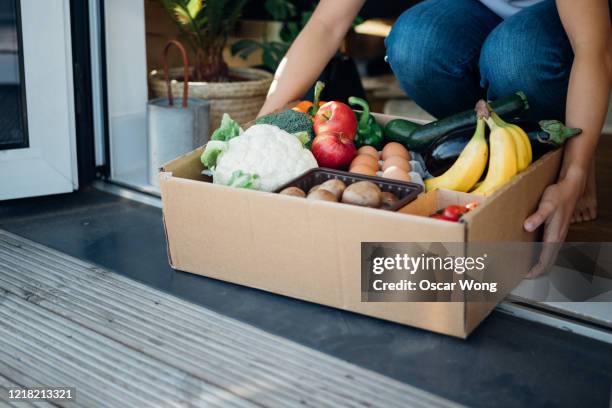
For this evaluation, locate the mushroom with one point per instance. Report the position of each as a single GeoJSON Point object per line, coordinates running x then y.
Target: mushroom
{"type": "Point", "coordinates": [363, 193]}
{"type": "Point", "coordinates": [314, 188]}
{"type": "Point", "coordinates": [334, 186]}
{"type": "Point", "coordinates": [293, 191]}
{"type": "Point", "coordinates": [388, 199]}
{"type": "Point", "coordinates": [323, 195]}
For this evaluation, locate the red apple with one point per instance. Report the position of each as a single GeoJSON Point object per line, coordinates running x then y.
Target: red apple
{"type": "Point", "coordinates": [336, 117]}
{"type": "Point", "coordinates": [333, 150]}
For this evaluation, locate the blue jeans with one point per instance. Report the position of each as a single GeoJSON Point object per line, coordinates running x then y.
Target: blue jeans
{"type": "Point", "coordinates": [447, 54]}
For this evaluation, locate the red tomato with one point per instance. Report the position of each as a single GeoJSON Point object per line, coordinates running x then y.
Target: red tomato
{"type": "Point", "coordinates": [440, 217]}
{"type": "Point", "coordinates": [454, 212]}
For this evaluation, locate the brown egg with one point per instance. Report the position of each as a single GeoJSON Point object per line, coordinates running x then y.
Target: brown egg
{"type": "Point", "coordinates": [368, 150]}
{"type": "Point", "coordinates": [363, 169]}
{"type": "Point", "coordinates": [395, 149]}
{"type": "Point", "coordinates": [366, 160]}
{"type": "Point", "coordinates": [396, 173]}
{"type": "Point", "coordinates": [397, 161]}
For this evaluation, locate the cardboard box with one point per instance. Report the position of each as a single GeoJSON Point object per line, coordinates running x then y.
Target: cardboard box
{"type": "Point", "coordinates": [310, 250]}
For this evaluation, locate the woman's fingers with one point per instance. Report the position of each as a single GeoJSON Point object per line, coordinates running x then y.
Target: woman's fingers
{"type": "Point", "coordinates": [545, 210]}
{"type": "Point", "coordinates": [554, 234]}
{"type": "Point", "coordinates": [556, 228]}
{"type": "Point", "coordinates": [548, 256]}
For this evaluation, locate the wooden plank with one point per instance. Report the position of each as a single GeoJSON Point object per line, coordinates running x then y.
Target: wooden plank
{"type": "Point", "coordinates": [100, 360]}
{"type": "Point", "coordinates": [101, 328]}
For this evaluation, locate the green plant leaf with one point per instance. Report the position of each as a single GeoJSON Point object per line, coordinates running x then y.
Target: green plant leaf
{"type": "Point", "coordinates": [305, 17]}
{"type": "Point", "coordinates": [289, 31]}
{"type": "Point", "coordinates": [280, 10]}
{"type": "Point", "coordinates": [244, 48]}
{"type": "Point", "coordinates": [358, 20]}
{"type": "Point", "coordinates": [193, 8]}
{"type": "Point", "coordinates": [269, 60]}
{"type": "Point", "coordinates": [181, 14]}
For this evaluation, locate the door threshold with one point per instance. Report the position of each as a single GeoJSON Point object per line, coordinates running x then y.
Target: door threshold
{"type": "Point", "coordinates": [517, 309]}
{"type": "Point", "coordinates": [557, 320]}
{"type": "Point", "coordinates": [131, 193]}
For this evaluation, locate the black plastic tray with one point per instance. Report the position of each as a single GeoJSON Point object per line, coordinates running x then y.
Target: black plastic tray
{"type": "Point", "coordinates": [404, 191]}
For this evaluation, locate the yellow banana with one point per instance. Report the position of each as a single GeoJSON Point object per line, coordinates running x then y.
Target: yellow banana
{"type": "Point", "coordinates": [502, 161]}
{"type": "Point", "coordinates": [469, 166]}
{"type": "Point", "coordinates": [521, 140]}
{"type": "Point", "coordinates": [527, 143]}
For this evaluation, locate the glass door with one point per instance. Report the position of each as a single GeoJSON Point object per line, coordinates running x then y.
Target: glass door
{"type": "Point", "coordinates": [13, 124]}
{"type": "Point", "coordinates": [37, 132]}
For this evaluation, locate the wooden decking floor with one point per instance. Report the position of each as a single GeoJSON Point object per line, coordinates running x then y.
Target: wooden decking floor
{"type": "Point", "coordinates": [65, 322]}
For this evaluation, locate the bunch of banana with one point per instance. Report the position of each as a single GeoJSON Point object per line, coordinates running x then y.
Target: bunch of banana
{"type": "Point", "coordinates": [469, 166]}
{"type": "Point", "coordinates": [510, 154]}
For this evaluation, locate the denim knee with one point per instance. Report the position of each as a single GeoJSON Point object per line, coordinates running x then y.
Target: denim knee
{"type": "Point", "coordinates": [409, 47]}
{"type": "Point", "coordinates": [436, 67]}
{"type": "Point", "coordinates": [529, 52]}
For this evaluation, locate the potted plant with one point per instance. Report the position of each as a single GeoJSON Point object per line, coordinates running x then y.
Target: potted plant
{"type": "Point", "coordinates": [205, 25]}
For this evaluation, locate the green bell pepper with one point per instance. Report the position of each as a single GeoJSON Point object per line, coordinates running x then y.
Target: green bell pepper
{"type": "Point", "coordinates": [369, 133]}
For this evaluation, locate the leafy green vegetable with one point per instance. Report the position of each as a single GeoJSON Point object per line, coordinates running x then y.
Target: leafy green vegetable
{"type": "Point", "coordinates": [290, 121]}
{"type": "Point", "coordinates": [229, 129]}
{"type": "Point", "coordinates": [302, 137]}
{"type": "Point", "coordinates": [242, 179]}
{"type": "Point", "coordinates": [211, 154]}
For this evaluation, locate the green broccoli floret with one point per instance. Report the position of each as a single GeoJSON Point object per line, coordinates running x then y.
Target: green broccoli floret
{"type": "Point", "coordinates": [290, 121]}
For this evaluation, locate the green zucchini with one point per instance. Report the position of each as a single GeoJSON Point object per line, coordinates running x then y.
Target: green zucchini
{"type": "Point", "coordinates": [399, 130]}
{"type": "Point", "coordinates": [420, 138]}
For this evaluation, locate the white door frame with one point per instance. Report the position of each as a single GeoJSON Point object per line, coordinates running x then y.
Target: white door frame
{"type": "Point", "coordinates": [48, 165]}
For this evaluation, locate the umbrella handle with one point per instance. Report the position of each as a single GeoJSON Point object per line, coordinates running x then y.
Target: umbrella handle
{"type": "Point", "coordinates": [185, 71]}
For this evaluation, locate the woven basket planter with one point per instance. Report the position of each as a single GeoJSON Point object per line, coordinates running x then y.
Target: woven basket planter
{"type": "Point", "coordinates": [242, 100]}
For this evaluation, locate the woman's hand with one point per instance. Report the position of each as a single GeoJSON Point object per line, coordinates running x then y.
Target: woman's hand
{"type": "Point", "coordinates": [557, 207]}
{"type": "Point", "coordinates": [555, 212]}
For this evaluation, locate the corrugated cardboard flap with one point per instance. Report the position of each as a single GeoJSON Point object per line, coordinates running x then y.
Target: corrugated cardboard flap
{"type": "Point", "coordinates": [187, 166]}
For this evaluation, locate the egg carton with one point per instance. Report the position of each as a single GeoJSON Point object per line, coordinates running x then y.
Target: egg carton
{"type": "Point", "coordinates": [418, 165]}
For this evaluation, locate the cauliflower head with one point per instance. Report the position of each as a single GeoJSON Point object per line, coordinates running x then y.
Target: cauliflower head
{"type": "Point", "coordinates": [264, 157]}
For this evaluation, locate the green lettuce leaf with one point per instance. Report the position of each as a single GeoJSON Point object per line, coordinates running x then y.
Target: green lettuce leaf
{"type": "Point", "coordinates": [229, 129]}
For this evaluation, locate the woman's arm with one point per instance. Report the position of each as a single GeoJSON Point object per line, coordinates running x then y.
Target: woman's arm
{"type": "Point", "coordinates": [311, 51]}
{"type": "Point", "coordinates": [587, 23]}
